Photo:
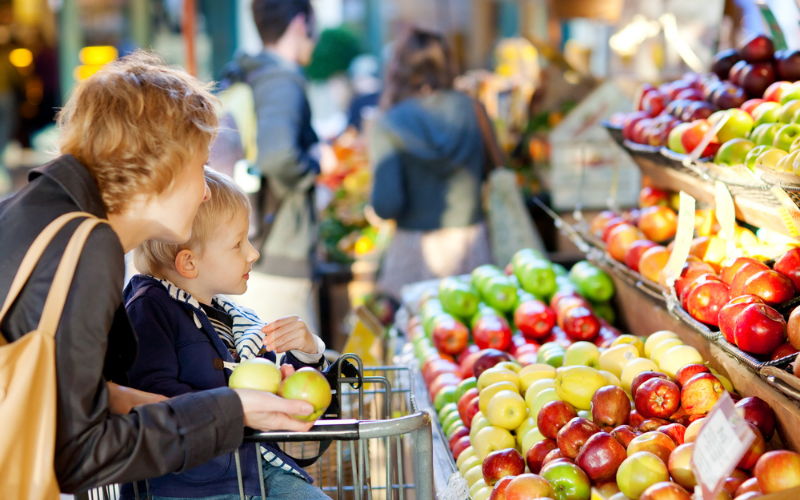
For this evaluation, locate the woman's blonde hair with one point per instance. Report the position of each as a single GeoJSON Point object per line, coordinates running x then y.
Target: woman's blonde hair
{"type": "Point", "coordinates": [135, 124]}
{"type": "Point", "coordinates": [227, 201]}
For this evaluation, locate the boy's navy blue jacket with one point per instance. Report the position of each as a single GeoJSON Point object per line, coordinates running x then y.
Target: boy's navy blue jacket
{"type": "Point", "coordinates": [177, 357]}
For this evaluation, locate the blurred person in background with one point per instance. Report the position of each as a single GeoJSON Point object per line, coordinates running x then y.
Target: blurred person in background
{"type": "Point", "coordinates": [8, 74]}
{"type": "Point", "coordinates": [428, 155]}
{"type": "Point", "coordinates": [366, 81]}
{"type": "Point", "coordinates": [289, 155]}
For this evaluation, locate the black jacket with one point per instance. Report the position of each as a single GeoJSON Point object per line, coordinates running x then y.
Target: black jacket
{"type": "Point", "coordinates": [95, 343]}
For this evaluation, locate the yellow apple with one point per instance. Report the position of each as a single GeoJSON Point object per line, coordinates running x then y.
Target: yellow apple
{"type": "Point", "coordinates": [663, 347]}
{"type": "Point", "coordinates": [257, 373]}
{"type": "Point", "coordinates": [474, 475]}
{"type": "Point", "coordinates": [725, 382]}
{"type": "Point", "coordinates": [526, 425]}
{"type": "Point", "coordinates": [653, 340]}
{"type": "Point", "coordinates": [507, 409]}
{"type": "Point", "coordinates": [582, 353]}
{"type": "Point", "coordinates": [482, 494]}
{"type": "Point", "coordinates": [537, 387]}
{"type": "Point", "coordinates": [475, 487]}
{"type": "Point", "coordinates": [611, 378]}
{"type": "Point", "coordinates": [497, 374]}
{"type": "Point", "coordinates": [630, 339]}
{"type": "Point", "coordinates": [469, 451]}
{"type": "Point", "coordinates": [586, 414]}
{"type": "Point", "coordinates": [634, 368]}
{"type": "Point", "coordinates": [510, 365]}
{"type": "Point", "coordinates": [468, 464]}
{"type": "Point", "coordinates": [640, 471]}
{"type": "Point", "coordinates": [490, 439]}
{"type": "Point", "coordinates": [542, 399]}
{"type": "Point", "coordinates": [479, 421]}
{"type": "Point", "coordinates": [488, 393]}
{"type": "Point", "coordinates": [577, 385]}
{"type": "Point", "coordinates": [531, 373]}
{"type": "Point", "coordinates": [530, 438]}
{"type": "Point", "coordinates": [615, 358]}
{"type": "Point", "coordinates": [678, 357]}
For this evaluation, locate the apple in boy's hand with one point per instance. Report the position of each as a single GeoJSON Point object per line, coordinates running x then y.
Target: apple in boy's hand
{"type": "Point", "coordinates": [257, 373]}
{"type": "Point", "coordinates": [309, 385]}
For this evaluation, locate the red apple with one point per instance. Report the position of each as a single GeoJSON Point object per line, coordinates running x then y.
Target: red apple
{"type": "Point", "coordinates": [732, 484]}
{"type": "Point", "coordinates": [537, 453]}
{"type": "Point", "coordinates": [640, 379]}
{"type": "Point", "coordinates": [601, 456]}
{"type": "Point", "coordinates": [700, 279]}
{"type": "Point", "coordinates": [776, 90]}
{"type": "Point", "coordinates": [463, 355]}
{"type": "Point", "coordinates": [635, 420]}
{"type": "Point", "coordinates": [676, 432]}
{"type": "Point", "coordinates": [750, 105]}
{"type": "Point", "coordinates": [528, 487]}
{"type": "Point", "coordinates": [787, 65]}
{"type": "Point", "coordinates": [625, 434]}
{"type": "Point", "coordinates": [450, 335]}
{"type": "Point", "coordinates": [599, 222]}
{"type": "Point", "coordinates": [460, 444]}
{"type": "Point", "coordinates": [443, 381]}
{"type": "Point", "coordinates": [756, 77]}
{"type": "Point", "coordinates": [556, 454]}
{"type": "Point", "coordinates": [652, 424]}
{"type": "Point", "coordinates": [653, 103]}
{"type": "Point", "coordinates": [706, 299]}
{"type": "Point", "coordinates": [472, 408]}
{"type": "Point", "coordinates": [492, 332]}
{"type": "Point", "coordinates": [754, 452]}
{"type": "Point", "coordinates": [783, 351]}
{"type": "Point", "coordinates": [631, 121]}
{"type": "Point", "coordinates": [605, 336]}
{"type": "Point", "coordinates": [610, 226]}
{"type": "Point", "coordinates": [553, 416]}
{"type": "Point", "coordinates": [665, 490]}
{"type": "Point", "coordinates": [684, 374]}
{"type": "Point", "coordinates": [701, 393]}
{"type": "Point", "coordinates": [635, 252]}
{"type": "Point", "coordinates": [499, 490]}
{"type": "Point", "coordinates": [501, 463]}
{"type": "Point", "coordinates": [759, 329]}
{"type": "Point", "coordinates": [771, 286]}
{"type": "Point", "coordinates": [642, 92]}
{"type": "Point", "coordinates": [793, 328]}
{"type": "Point", "coordinates": [723, 62]}
{"type": "Point", "coordinates": [464, 400]}
{"type": "Point", "coordinates": [778, 471]}
{"type": "Point", "coordinates": [729, 271]}
{"type": "Point", "coordinates": [683, 418]}
{"type": "Point", "coordinates": [756, 411]}
{"type": "Point", "coordinates": [534, 319]}
{"type": "Point", "coordinates": [693, 136]}
{"type": "Point", "coordinates": [756, 48]}
{"type": "Point", "coordinates": [468, 361]}
{"type": "Point", "coordinates": [655, 442]}
{"type": "Point", "coordinates": [788, 264]}
{"type": "Point", "coordinates": [574, 435]}
{"type": "Point", "coordinates": [610, 407]}
{"type": "Point", "coordinates": [731, 310]}
{"type": "Point", "coordinates": [690, 272]}
{"type": "Point", "coordinates": [658, 223]}
{"type": "Point", "coordinates": [749, 486]}
{"type": "Point", "coordinates": [580, 323]}
{"type": "Point", "coordinates": [621, 238]}
{"type": "Point", "coordinates": [745, 271]}
{"type": "Point", "coordinates": [651, 196]}
{"type": "Point", "coordinates": [487, 359]}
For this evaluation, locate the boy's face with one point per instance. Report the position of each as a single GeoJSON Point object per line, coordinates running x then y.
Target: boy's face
{"type": "Point", "coordinates": [224, 266]}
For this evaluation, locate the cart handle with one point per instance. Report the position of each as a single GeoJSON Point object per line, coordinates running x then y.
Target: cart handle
{"type": "Point", "coordinates": [344, 430]}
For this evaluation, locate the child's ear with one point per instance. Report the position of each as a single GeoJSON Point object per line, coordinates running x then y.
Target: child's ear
{"type": "Point", "coordinates": [185, 264]}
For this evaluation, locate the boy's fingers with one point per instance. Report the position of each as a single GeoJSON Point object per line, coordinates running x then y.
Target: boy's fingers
{"type": "Point", "coordinates": [279, 323]}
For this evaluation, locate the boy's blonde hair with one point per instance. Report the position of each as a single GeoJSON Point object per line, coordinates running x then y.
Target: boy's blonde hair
{"type": "Point", "coordinates": [135, 124]}
{"type": "Point", "coordinates": [227, 200]}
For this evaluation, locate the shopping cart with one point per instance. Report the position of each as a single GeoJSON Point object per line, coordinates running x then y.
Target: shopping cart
{"type": "Point", "coordinates": [379, 440]}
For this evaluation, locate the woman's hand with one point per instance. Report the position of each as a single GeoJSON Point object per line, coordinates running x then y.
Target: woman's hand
{"type": "Point", "coordinates": [289, 333]}
{"type": "Point", "coordinates": [265, 411]}
{"type": "Point", "coordinates": [122, 400]}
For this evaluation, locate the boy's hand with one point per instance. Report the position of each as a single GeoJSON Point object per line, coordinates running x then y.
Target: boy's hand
{"type": "Point", "coordinates": [287, 334]}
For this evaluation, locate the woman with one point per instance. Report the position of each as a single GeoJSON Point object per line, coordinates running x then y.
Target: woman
{"type": "Point", "coordinates": [134, 139]}
{"type": "Point", "coordinates": [428, 156]}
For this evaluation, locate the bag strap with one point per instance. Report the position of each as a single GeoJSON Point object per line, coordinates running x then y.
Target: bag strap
{"type": "Point", "coordinates": [32, 257]}
{"type": "Point", "coordinates": [494, 155]}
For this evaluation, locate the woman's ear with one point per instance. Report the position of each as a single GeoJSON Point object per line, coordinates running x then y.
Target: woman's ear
{"type": "Point", "coordinates": [186, 264]}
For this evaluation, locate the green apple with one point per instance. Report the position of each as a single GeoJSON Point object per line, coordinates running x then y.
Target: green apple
{"type": "Point", "coordinates": [586, 414]}
{"type": "Point", "coordinates": [257, 373]}
{"type": "Point", "coordinates": [500, 293]}
{"type": "Point", "coordinates": [734, 152]}
{"type": "Point", "coordinates": [568, 481]}
{"type": "Point", "coordinates": [491, 439]}
{"type": "Point", "coordinates": [788, 111]}
{"type": "Point", "coordinates": [790, 94]}
{"type": "Point", "coordinates": [536, 277]}
{"type": "Point", "coordinates": [559, 270]}
{"type": "Point", "coordinates": [465, 385]}
{"type": "Point", "coordinates": [446, 410]}
{"type": "Point", "coordinates": [739, 124]}
{"type": "Point", "coordinates": [445, 395]}
{"type": "Point", "coordinates": [452, 426]}
{"type": "Point", "coordinates": [507, 409]}
{"type": "Point", "coordinates": [786, 136]}
{"type": "Point", "coordinates": [582, 353]}
{"type": "Point", "coordinates": [479, 421]}
{"type": "Point", "coordinates": [482, 274]}
{"type": "Point", "coordinates": [765, 135]}
{"type": "Point", "coordinates": [750, 159]}
{"type": "Point", "coordinates": [640, 471]}
{"type": "Point", "coordinates": [308, 384]}
{"type": "Point", "coordinates": [469, 451]}
{"type": "Point", "coordinates": [674, 139]}
{"type": "Point", "coordinates": [541, 399]}
{"type": "Point", "coordinates": [766, 112]}
{"type": "Point", "coordinates": [477, 486]}
{"type": "Point", "coordinates": [786, 164]}
{"type": "Point", "coordinates": [474, 475]}
{"type": "Point", "coordinates": [458, 298]}
{"type": "Point", "coordinates": [483, 493]}
{"type": "Point", "coordinates": [531, 437]}
{"type": "Point", "coordinates": [770, 158]}
{"type": "Point", "coordinates": [469, 463]}
{"type": "Point", "coordinates": [449, 419]}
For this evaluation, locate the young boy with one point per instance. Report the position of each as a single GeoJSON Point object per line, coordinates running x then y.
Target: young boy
{"type": "Point", "coordinates": [188, 332]}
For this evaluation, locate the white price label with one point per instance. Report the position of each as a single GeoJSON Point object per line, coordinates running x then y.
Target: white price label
{"type": "Point", "coordinates": [683, 241]}
{"type": "Point", "coordinates": [726, 216]}
{"type": "Point", "coordinates": [720, 445]}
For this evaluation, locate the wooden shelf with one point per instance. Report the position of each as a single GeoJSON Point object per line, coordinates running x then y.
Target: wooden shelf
{"type": "Point", "coordinates": [747, 210]}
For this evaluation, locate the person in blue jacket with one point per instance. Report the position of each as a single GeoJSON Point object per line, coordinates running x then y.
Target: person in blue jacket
{"type": "Point", "coordinates": [190, 334]}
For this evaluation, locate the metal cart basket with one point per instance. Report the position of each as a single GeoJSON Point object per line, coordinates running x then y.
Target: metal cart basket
{"type": "Point", "coordinates": [381, 444]}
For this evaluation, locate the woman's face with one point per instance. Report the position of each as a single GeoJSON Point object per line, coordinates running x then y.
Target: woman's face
{"type": "Point", "coordinates": [173, 211]}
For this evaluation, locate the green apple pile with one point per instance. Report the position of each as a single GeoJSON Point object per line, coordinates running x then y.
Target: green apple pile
{"type": "Point", "coordinates": [621, 421]}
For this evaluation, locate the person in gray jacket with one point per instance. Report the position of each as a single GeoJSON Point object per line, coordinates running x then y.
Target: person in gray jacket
{"type": "Point", "coordinates": [428, 155]}
{"type": "Point", "coordinates": [288, 158]}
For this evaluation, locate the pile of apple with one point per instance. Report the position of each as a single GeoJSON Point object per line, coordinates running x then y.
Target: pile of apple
{"type": "Point", "coordinates": [754, 86]}
{"type": "Point", "coordinates": [622, 419]}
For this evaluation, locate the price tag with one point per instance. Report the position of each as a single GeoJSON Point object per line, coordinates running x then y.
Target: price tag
{"type": "Point", "coordinates": [721, 443]}
{"type": "Point", "coordinates": [726, 216]}
{"type": "Point", "coordinates": [683, 242]}
{"type": "Point", "coordinates": [695, 154]}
